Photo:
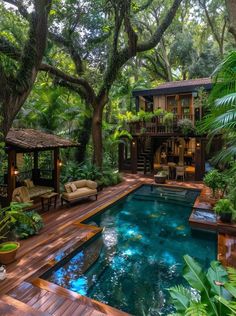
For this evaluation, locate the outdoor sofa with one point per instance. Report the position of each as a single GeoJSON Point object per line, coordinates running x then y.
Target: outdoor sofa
{"type": "Point", "coordinates": [79, 189]}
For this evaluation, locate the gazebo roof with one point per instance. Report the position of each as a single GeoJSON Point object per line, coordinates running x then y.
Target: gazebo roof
{"type": "Point", "coordinates": [31, 139]}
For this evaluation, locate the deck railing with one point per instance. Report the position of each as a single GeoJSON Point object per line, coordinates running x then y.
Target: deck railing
{"type": "Point", "coordinates": [157, 125]}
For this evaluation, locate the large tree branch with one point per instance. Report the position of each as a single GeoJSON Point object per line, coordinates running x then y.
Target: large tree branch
{"type": "Point", "coordinates": [231, 8]}
{"type": "Point", "coordinates": [124, 55]}
{"type": "Point", "coordinates": [16, 88]}
{"type": "Point", "coordinates": [88, 90]}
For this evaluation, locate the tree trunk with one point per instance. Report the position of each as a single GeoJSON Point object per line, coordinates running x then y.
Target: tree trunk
{"type": "Point", "coordinates": [97, 135]}
{"type": "Point", "coordinates": [83, 139]}
{"type": "Point", "coordinates": [231, 8]}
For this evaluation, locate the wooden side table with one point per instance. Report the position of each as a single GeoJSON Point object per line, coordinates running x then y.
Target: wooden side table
{"type": "Point", "coordinates": [48, 197]}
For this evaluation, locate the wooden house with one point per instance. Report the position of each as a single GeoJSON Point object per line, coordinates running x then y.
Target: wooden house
{"type": "Point", "coordinates": [161, 140]}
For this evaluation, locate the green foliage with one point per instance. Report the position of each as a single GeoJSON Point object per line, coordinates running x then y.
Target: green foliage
{"type": "Point", "coordinates": [223, 206]}
{"type": "Point", "coordinates": [215, 293]}
{"type": "Point", "coordinates": [28, 228]}
{"type": "Point", "coordinates": [10, 215]}
{"type": "Point", "coordinates": [186, 127]}
{"type": "Point", "coordinates": [72, 171]}
{"type": "Point", "coordinates": [222, 116]}
{"type": "Point", "coordinates": [214, 180]}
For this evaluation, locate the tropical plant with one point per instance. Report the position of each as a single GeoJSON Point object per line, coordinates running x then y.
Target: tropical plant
{"type": "Point", "coordinates": [186, 127]}
{"type": "Point", "coordinates": [168, 118]}
{"type": "Point", "coordinates": [10, 215]}
{"type": "Point", "coordinates": [28, 228]}
{"type": "Point", "coordinates": [223, 206]}
{"type": "Point", "coordinates": [222, 115]}
{"type": "Point", "coordinates": [214, 180]}
{"type": "Point", "coordinates": [212, 293]}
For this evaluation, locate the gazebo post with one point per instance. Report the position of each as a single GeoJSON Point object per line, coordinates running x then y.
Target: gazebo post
{"type": "Point", "coordinates": [56, 170]}
{"type": "Point", "coordinates": [35, 171]}
{"type": "Point", "coordinates": [11, 177]}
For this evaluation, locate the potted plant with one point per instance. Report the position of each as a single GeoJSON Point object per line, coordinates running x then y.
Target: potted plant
{"type": "Point", "coordinates": [186, 127]}
{"type": "Point", "coordinates": [224, 208]}
{"type": "Point", "coordinates": [8, 217]}
{"type": "Point", "coordinates": [160, 177]}
{"type": "Point", "coordinates": [214, 181]}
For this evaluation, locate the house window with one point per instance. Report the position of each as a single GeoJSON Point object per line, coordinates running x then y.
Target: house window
{"type": "Point", "coordinates": [172, 105]}
{"type": "Point", "coordinates": [185, 102]}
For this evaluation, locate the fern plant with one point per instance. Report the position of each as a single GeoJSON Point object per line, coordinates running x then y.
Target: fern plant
{"type": "Point", "coordinates": [212, 293]}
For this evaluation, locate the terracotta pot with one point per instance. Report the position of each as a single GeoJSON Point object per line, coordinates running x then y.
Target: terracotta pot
{"type": "Point", "coordinates": [7, 257]}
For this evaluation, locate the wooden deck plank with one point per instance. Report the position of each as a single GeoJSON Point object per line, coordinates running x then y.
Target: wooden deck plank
{"type": "Point", "coordinates": [12, 307]}
{"type": "Point", "coordinates": [73, 296]}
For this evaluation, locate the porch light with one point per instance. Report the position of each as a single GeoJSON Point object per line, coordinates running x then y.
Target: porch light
{"type": "Point", "coordinates": [133, 143]}
{"type": "Point", "coordinates": [198, 144]}
{"type": "Point", "coordinates": [16, 171]}
{"type": "Point", "coordinates": [59, 162]}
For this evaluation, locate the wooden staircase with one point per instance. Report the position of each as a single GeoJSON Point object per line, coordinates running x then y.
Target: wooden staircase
{"type": "Point", "coordinates": [144, 157]}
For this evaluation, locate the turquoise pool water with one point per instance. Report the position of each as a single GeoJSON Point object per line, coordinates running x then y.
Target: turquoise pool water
{"type": "Point", "coordinates": [139, 254]}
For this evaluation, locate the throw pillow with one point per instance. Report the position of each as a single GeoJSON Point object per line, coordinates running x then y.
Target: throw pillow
{"type": "Point", "coordinates": [73, 187]}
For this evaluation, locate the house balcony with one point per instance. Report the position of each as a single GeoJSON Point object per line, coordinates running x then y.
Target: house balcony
{"type": "Point", "coordinates": [158, 125]}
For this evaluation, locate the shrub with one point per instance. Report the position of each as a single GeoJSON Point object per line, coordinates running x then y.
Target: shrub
{"type": "Point", "coordinates": [186, 127]}
{"type": "Point", "coordinates": [72, 171]}
{"type": "Point", "coordinates": [223, 206]}
{"type": "Point", "coordinates": [214, 180]}
{"type": "Point", "coordinates": [9, 216]}
{"type": "Point", "coordinates": [28, 228]}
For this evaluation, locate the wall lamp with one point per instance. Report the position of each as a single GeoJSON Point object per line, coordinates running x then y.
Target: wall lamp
{"type": "Point", "coordinates": [198, 144]}
{"type": "Point", "coordinates": [59, 163]}
{"type": "Point", "coordinates": [16, 171]}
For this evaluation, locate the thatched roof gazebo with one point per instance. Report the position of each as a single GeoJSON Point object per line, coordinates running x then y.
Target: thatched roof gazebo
{"type": "Point", "coordinates": [32, 141]}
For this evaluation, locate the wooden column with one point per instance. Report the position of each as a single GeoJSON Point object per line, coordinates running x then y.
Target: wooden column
{"type": "Point", "coordinates": [199, 159]}
{"type": "Point", "coordinates": [134, 155]}
{"type": "Point", "coordinates": [11, 177]}
{"type": "Point", "coordinates": [36, 160]}
{"type": "Point", "coordinates": [56, 177]}
{"type": "Point", "coordinates": [36, 171]}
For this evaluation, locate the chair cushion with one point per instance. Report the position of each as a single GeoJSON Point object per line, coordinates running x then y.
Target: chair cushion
{"type": "Point", "coordinates": [38, 190]}
{"type": "Point", "coordinates": [80, 183]}
{"type": "Point", "coordinates": [28, 183]}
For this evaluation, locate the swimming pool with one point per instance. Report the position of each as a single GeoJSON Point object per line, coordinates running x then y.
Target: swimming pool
{"type": "Point", "coordinates": [139, 254]}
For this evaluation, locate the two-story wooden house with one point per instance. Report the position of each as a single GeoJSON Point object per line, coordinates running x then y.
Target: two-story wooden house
{"type": "Point", "coordinates": [161, 141]}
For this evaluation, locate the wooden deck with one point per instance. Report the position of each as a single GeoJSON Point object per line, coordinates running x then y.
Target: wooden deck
{"type": "Point", "coordinates": [63, 232]}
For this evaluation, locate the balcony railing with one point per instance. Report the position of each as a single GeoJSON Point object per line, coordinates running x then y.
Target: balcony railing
{"type": "Point", "coordinates": [157, 125]}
